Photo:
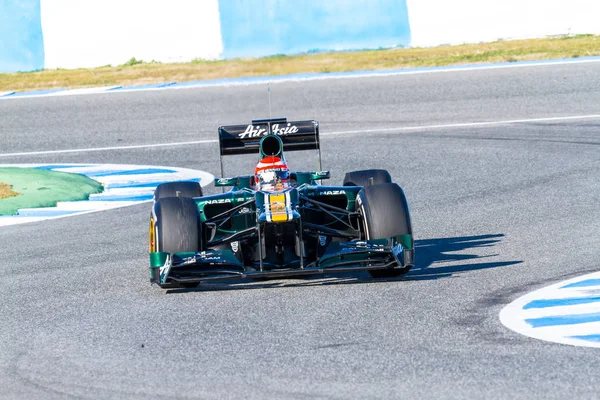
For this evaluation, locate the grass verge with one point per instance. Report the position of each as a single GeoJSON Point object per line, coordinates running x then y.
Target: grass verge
{"type": "Point", "coordinates": [6, 191]}
{"type": "Point", "coordinates": [137, 72]}
{"type": "Point", "coordinates": [41, 188]}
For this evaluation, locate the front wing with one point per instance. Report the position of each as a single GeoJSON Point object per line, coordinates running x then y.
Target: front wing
{"type": "Point", "coordinates": [180, 268]}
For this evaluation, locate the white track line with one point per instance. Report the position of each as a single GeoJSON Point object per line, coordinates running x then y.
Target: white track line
{"type": "Point", "coordinates": [92, 149]}
{"type": "Point", "coordinates": [375, 130]}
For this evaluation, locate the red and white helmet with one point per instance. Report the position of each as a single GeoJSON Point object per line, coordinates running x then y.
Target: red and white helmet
{"type": "Point", "coordinates": [271, 173]}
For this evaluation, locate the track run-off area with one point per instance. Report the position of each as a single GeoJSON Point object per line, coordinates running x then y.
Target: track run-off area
{"type": "Point", "coordinates": [501, 170]}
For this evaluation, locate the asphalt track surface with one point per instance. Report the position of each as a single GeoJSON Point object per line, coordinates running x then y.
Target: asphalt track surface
{"type": "Point", "coordinates": [498, 211]}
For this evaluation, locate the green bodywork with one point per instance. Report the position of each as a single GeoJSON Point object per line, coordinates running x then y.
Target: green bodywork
{"type": "Point", "coordinates": [249, 205]}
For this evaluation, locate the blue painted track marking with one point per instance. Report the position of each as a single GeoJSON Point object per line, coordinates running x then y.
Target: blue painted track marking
{"type": "Point", "coordinates": [36, 93]}
{"type": "Point", "coordinates": [585, 283]}
{"type": "Point", "coordinates": [57, 166]}
{"type": "Point", "coordinates": [144, 171]}
{"type": "Point", "coordinates": [142, 197]}
{"type": "Point", "coordinates": [567, 312]}
{"type": "Point", "coordinates": [148, 86]}
{"type": "Point", "coordinates": [44, 212]}
{"type": "Point", "coordinates": [142, 184]}
{"type": "Point", "coordinates": [591, 338]}
{"type": "Point", "coordinates": [546, 303]}
{"type": "Point", "coordinates": [563, 320]}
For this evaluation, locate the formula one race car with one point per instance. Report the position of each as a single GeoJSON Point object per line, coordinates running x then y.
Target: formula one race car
{"type": "Point", "coordinates": [277, 223]}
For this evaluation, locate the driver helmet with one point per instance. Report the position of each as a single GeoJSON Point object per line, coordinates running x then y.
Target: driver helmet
{"type": "Point", "coordinates": [271, 173]}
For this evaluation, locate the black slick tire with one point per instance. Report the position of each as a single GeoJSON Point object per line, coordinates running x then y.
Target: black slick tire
{"type": "Point", "coordinates": [178, 227]}
{"type": "Point", "coordinates": [385, 213]}
{"type": "Point", "coordinates": [178, 189]}
{"type": "Point", "coordinates": [361, 178]}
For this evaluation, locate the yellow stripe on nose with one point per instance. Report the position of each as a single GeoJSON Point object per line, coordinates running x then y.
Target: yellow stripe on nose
{"type": "Point", "coordinates": [277, 208]}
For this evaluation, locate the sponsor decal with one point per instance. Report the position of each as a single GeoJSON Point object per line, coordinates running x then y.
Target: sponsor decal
{"type": "Point", "coordinates": [322, 240]}
{"type": "Point", "coordinates": [199, 258]}
{"type": "Point", "coordinates": [218, 201]}
{"type": "Point", "coordinates": [187, 261]}
{"type": "Point", "coordinates": [278, 206]}
{"type": "Point", "coordinates": [398, 248]}
{"type": "Point", "coordinates": [223, 201]}
{"type": "Point", "coordinates": [244, 210]}
{"type": "Point", "coordinates": [258, 131]}
{"type": "Point", "coordinates": [332, 192]}
{"type": "Point", "coordinates": [165, 269]}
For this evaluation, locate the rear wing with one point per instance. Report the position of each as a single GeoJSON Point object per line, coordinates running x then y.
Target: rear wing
{"type": "Point", "coordinates": [245, 139]}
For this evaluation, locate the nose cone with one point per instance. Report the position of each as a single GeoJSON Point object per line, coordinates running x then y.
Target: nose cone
{"type": "Point", "coordinates": [277, 206]}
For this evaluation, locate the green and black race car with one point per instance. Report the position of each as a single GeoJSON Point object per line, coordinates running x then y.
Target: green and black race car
{"type": "Point", "coordinates": [287, 227]}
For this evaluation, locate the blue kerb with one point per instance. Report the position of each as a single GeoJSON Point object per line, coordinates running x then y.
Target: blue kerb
{"type": "Point", "coordinates": [45, 213]}
{"type": "Point", "coordinates": [143, 184]}
{"type": "Point", "coordinates": [546, 303]}
{"type": "Point", "coordinates": [584, 283]}
{"type": "Point", "coordinates": [58, 166]}
{"type": "Point", "coordinates": [141, 87]}
{"type": "Point", "coordinates": [146, 171]}
{"type": "Point", "coordinates": [588, 338]}
{"type": "Point", "coordinates": [560, 320]}
{"type": "Point", "coordinates": [141, 197]}
{"type": "Point", "coordinates": [35, 92]}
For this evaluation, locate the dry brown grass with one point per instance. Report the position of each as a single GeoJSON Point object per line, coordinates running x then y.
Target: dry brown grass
{"type": "Point", "coordinates": [6, 191]}
{"type": "Point", "coordinates": [137, 73]}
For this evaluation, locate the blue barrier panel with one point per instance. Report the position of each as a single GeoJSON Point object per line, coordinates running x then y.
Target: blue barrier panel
{"type": "Point", "coordinates": [254, 28]}
{"type": "Point", "coordinates": [21, 40]}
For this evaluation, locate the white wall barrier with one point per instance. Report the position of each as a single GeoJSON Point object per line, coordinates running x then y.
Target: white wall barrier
{"type": "Point", "coordinates": [52, 34]}
{"type": "Point", "coordinates": [438, 22]}
{"type": "Point", "coordinates": [93, 33]}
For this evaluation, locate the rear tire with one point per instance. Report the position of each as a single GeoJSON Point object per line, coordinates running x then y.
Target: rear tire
{"type": "Point", "coordinates": [361, 178]}
{"type": "Point", "coordinates": [177, 225]}
{"type": "Point", "coordinates": [385, 212]}
{"type": "Point", "coordinates": [178, 189]}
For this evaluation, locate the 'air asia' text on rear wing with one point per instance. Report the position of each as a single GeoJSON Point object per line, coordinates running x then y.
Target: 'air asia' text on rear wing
{"type": "Point", "coordinates": [245, 139]}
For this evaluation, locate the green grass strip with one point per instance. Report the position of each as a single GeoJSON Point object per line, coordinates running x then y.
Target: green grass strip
{"type": "Point", "coordinates": [41, 188]}
{"type": "Point", "coordinates": [138, 72]}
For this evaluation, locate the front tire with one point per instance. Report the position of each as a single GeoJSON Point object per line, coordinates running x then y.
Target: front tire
{"type": "Point", "coordinates": [178, 189]}
{"type": "Point", "coordinates": [385, 214]}
{"type": "Point", "coordinates": [177, 225]}
{"type": "Point", "coordinates": [361, 178]}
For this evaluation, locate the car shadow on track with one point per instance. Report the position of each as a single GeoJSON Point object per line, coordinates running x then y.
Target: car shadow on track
{"type": "Point", "coordinates": [435, 258]}
{"type": "Point", "coordinates": [455, 254]}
